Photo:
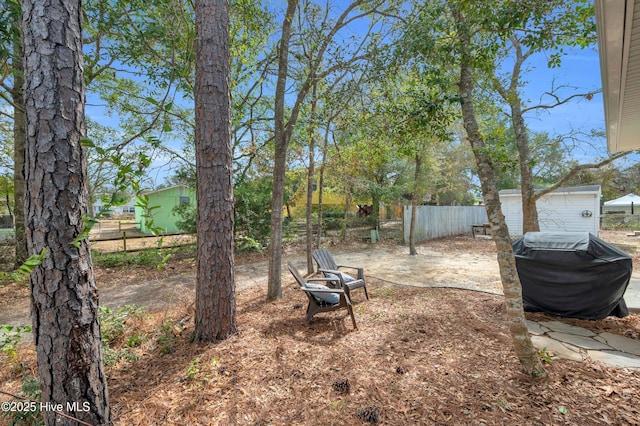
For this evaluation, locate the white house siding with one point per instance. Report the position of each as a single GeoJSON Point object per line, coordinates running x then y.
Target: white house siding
{"type": "Point", "coordinates": [560, 211]}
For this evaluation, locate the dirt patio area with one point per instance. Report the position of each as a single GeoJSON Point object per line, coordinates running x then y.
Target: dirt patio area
{"type": "Point", "coordinates": [457, 262]}
{"type": "Point", "coordinates": [454, 262]}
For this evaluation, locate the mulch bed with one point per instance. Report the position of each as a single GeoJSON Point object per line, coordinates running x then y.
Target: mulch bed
{"type": "Point", "coordinates": [429, 356]}
{"type": "Point", "coordinates": [419, 356]}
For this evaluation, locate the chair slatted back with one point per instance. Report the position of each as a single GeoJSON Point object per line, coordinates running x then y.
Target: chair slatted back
{"type": "Point", "coordinates": [324, 259]}
{"type": "Point", "coordinates": [296, 274]}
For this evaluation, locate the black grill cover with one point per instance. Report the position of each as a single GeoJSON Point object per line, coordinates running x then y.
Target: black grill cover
{"type": "Point", "coordinates": [572, 274]}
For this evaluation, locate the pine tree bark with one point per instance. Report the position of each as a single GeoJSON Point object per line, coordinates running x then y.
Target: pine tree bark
{"type": "Point", "coordinates": [215, 317]}
{"type": "Point", "coordinates": [64, 297]}
{"type": "Point", "coordinates": [19, 138]}
{"type": "Point", "coordinates": [512, 288]}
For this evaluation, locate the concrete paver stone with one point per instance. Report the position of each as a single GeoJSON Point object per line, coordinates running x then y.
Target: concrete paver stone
{"type": "Point", "coordinates": [621, 343]}
{"type": "Point", "coordinates": [579, 341]}
{"type": "Point", "coordinates": [556, 348]}
{"type": "Point", "coordinates": [566, 328]}
{"type": "Point", "coordinates": [536, 328]}
{"type": "Point", "coordinates": [615, 359]}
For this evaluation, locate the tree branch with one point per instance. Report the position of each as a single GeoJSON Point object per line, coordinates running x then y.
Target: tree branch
{"type": "Point", "coordinates": [575, 170]}
{"type": "Point", "coordinates": [559, 101]}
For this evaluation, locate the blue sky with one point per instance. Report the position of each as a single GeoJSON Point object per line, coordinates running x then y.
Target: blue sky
{"type": "Point", "coordinates": [580, 73]}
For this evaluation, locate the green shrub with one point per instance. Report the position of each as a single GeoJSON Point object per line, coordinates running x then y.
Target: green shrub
{"type": "Point", "coordinates": [187, 215]}
{"type": "Point", "coordinates": [620, 222]}
{"type": "Point", "coordinates": [31, 415]}
{"type": "Point", "coordinates": [149, 258]}
{"type": "Point", "coordinates": [248, 245]}
{"type": "Point", "coordinates": [113, 327]}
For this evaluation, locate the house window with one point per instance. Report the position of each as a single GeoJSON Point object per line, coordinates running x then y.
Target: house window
{"type": "Point", "coordinates": [185, 200]}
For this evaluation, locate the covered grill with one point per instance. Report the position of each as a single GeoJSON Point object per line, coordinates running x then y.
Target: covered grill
{"type": "Point", "coordinates": [572, 274]}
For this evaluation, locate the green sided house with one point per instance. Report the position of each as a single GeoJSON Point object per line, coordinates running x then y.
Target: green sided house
{"type": "Point", "coordinates": [160, 204]}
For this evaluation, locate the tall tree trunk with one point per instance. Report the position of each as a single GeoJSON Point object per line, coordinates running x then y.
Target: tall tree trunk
{"type": "Point", "coordinates": [310, 179]}
{"type": "Point", "coordinates": [215, 317]}
{"type": "Point", "coordinates": [64, 297]}
{"type": "Point", "coordinates": [281, 137]}
{"type": "Point", "coordinates": [414, 204]}
{"type": "Point", "coordinates": [8, 202]}
{"type": "Point", "coordinates": [309, 208]}
{"type": "Point", "coordinates": [375, 207]}
{"type": "Point", "coordinates": [511, 96]}
{"type": "Point", "coordinates": [91, 200]}
{"type": "Point", "coordinates": [512, 288]}
{"type": "Point", "coordinates": [529, 210]}
{"type": "Point", "coordinates": [347, 204]}
{"type": "Point", "coordinates": [325, 147]}
{"type": "Point", "coordinates": [19, 138]}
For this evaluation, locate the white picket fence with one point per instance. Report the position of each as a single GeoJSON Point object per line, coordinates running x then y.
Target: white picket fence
{"type": "Point", "coordinates": [443, 221]}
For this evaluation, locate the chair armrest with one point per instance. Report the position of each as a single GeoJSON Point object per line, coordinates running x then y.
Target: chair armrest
{"type": "Point", "coordinates": [343, 292]}
{"type": "Point", "coordinates": [332, 280]}
{"type": "Point", "coordinates": [338, 279]}
{"type": "Point", "coordinates": [355, 284]}
{"type": "Point", "coordinates": [357, 268]}
{"type": "Point", "coordinates": [329, 271]}
{"type": "Point", "coordinates": [322, 290]}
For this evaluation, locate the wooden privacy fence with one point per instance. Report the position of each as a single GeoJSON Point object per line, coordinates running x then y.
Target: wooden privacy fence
{"type": "Point", "coordinates": [443, 221]}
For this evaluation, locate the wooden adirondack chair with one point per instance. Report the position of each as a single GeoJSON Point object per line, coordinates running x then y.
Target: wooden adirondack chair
{"type": "Point", "coordinates": [327, 265]}
{"type": "Point", "coordinates": [316, 295]}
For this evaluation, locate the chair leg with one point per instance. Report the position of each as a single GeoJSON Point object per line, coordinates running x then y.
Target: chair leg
{"type": "Point", "coordinates": [310, 313]}
{"type": "Point", "coordinates": [353, 318]}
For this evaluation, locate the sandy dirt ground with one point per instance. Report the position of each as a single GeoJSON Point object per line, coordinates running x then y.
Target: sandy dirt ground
{"type": "Point", "coordinates": [454, 262]}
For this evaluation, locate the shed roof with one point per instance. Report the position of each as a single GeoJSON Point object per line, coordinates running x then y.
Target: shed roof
{"type": "Point", "coordinates": [569, 189]}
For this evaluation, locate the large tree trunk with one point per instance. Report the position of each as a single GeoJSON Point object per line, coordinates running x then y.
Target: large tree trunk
{"type": "Point", "coordinates": [310, 180]}
{"type": "Point", "coordinates": [529, 210]}
{"type": "Point", "coordinates": [511, 96]}
{"type": "Point", "coordinates": [309, 209]}
{"type": "Point", "coordinates": [414, 205]}
{"type": "Point", "coordinates": [512, 288]}
{"type": "Point", "coordinates": [215, 317]}
{"type": "Point", "coordinates": [325, 147]}
{"type": "Point", "coordinates": [375, 207]}
{"type": "Point", "coordinates": [281, 137]}
{"type": "Point", "coordinates": [347, 205]}
{"type": "Point", "coordinates": [64, 297]}
{"type": "Point", "coordinates": [19, 138]}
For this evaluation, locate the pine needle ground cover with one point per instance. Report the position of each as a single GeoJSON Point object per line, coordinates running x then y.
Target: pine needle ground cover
{"type": "Point", "coordinates": [420, 356]}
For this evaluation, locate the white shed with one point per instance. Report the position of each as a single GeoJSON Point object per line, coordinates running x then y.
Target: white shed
{"type": "Point", "coordinates": [629, 204]}
{"type": "Point", "coordinates": [573, 209]}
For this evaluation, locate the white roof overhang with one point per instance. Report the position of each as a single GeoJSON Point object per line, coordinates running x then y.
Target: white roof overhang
{"type": "Point", "coordinates": [618, 27]}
